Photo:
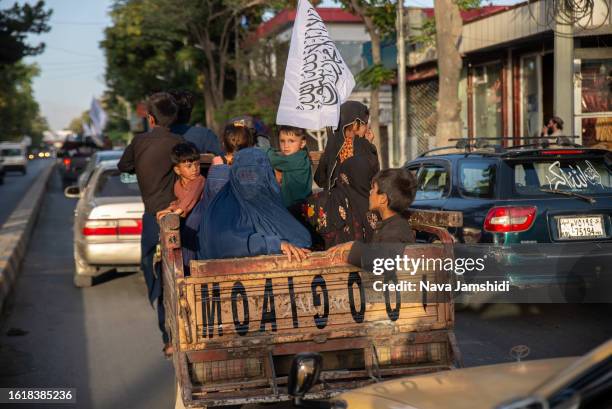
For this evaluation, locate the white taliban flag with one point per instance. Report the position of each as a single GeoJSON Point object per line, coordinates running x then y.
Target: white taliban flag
{"type": "Point", "coordinates": [317, 80]}
{"type": "Point", "coordinates": [98, 117]}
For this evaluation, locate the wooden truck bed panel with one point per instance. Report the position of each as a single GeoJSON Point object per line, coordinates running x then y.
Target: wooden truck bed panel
{"type": "Point", "coordinates": [237, 323]}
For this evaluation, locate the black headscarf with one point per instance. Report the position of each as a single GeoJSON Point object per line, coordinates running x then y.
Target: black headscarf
{"type": "Point", "coordinates": [350, 111]}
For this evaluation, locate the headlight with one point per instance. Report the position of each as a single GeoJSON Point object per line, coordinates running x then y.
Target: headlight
{"type": "Point", "coordinates": [47, 154]}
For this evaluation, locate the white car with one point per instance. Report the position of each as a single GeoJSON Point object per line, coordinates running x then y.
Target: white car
{"type": "Point", "coordinates": [107, 224]}
{"type": "Point", "coordinates": [94, 161]}
{"type": "Point", "coordinates": [14, 155]}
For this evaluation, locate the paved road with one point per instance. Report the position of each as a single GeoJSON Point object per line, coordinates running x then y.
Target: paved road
{"type": "Point", "coordinates": [16, 185]}
{"type": "Point", "coordinates": [104, 340]}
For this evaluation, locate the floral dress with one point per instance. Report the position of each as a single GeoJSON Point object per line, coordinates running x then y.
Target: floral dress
{"type": "Point", "coordinates": [340, 213]}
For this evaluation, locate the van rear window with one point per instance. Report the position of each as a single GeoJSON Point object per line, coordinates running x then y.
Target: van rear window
{"type": "Point", "coordinates": [12, 152]}
{"type": "Point", "coordinates": [110, 184]}
{"type": "Point", "coordinates": [590, 176]}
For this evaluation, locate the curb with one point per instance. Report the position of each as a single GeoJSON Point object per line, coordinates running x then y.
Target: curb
{"type": "Point", "coordinates": [16, 231]}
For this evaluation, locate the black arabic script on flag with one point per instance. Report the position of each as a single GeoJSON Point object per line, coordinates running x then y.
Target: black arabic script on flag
{"type": "Point", "coordinates": [322, 66]}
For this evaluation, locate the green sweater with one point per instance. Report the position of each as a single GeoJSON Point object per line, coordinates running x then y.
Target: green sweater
{"type": "Point", "coordinates": [296, 185]}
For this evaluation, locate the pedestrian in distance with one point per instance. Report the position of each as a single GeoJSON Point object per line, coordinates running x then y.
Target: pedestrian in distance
{"type": "Point", "coordinates": [554, 127]}
{"type": "Point", "coordinates": [148, 155]}
{"type": "Point", "coordinates": [203, 138]}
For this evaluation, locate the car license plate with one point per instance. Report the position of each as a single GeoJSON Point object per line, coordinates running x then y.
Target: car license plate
{"type": "Point", "coordinates": [582, 227]}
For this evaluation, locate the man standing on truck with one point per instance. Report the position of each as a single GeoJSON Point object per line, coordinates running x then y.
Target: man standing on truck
{"type": "Point", "coordinates": [203, 138]}
{"type": "Point", "coordinates": [148, 155]}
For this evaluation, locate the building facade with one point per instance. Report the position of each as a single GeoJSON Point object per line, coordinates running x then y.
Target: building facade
{"type": "Point", "coordinates": [520, 68]}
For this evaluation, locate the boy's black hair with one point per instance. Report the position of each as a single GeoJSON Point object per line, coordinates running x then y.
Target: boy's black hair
{"type": "Point", "coordinates": [236, 137]}
{"type": "Point", "coordinates": [162, 108]}
{"type": "Point", "coordinates": [399, 185]}
{"type": "Point", "coordinates": [184, 152]}
{"type": "Point", "coordinates": [292, 129]}
{"type": "Point", "coordinates": [184, 101]}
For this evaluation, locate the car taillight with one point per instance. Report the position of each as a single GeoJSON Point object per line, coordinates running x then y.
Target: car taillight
{"type": "Point", "coordinates": [100, 228]}
{"type": "Point", "coordinates": [510, 219]}
{"type": "Point", "coordinates": [67, 163]}
{"type": "Point", "coordinates": [129, 227]}
{"type": "Point", "coordinates": [124, 227]}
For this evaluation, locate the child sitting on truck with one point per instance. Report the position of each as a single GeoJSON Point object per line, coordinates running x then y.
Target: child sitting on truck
{"type": "Point", "coordinates": [292, 166]}
{"type": "Point", "coordinates": [392, 192]}
{"type": "Point", "coordinates": [188, 190]}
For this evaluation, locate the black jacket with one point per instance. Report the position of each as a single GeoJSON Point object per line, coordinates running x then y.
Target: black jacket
{"type": "Point", "coordinates": [389, 239]}
{"type": "Point", "coordinates": [148, 155]}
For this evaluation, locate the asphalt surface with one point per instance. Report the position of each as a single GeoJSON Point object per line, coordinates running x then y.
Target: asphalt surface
{"type": "Point", "coordinates": [104, 340]}
{"type": "Point", "coordinates": [16, 185]}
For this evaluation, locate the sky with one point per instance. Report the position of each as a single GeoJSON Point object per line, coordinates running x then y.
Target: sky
{"type": "Point", "coordinates": [72, 66]}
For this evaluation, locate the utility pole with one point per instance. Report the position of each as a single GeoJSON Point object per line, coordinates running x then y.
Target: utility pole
{"type": "Point", "coordinates": [401, 67]}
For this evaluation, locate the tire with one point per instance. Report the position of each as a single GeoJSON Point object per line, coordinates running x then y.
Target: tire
{"type": "Point", "coordinates": [24, 171]}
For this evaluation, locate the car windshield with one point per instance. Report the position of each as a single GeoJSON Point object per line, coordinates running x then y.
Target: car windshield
{"type": "Point", "coordinates": [110, 155]}
{"type": "Point", "coordinates": [583, 176]}
{"type": "Point", "coordinates": [11, 152]}
{"type": "Point", "coordinates": [110, 184]}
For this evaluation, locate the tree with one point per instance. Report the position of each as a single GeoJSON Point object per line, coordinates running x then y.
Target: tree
{"type": "Point", "coordinates": [211, 27]}
{"type": "Point", "coordinates": [19, 111]}
{"type": "Point", "coordinates": [448, 36]}
{"type": "Point", "coordinates": [141, 61]}
{"type": "Point", "coordinates": [15, 25]}
{"type": "Point", "coordinates": [379, 19]}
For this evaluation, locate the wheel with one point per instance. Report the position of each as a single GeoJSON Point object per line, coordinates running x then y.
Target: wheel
{"type": "Point", "coordinates": [24, 170]}
{"type": "Point", "coordinates": [83, 272]}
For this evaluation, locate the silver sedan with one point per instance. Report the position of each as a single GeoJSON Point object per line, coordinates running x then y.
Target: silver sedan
{"type": "Point", "coordinates": [107, 224]}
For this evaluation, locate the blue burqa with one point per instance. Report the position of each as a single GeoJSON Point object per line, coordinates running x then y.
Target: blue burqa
{"type": "Point", "coordinates": [247, 217]}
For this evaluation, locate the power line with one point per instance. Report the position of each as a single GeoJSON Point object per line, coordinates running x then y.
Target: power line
{"type": "Point", "coordinates": [79, 23]}
{"type": "Point", "coordinates": [65, 50]}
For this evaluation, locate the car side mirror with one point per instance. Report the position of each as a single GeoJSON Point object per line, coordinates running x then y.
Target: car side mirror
{"type": "Point", "coordinates": [72, 192]}
{"type": "Point", "coordinates": [304, 373]}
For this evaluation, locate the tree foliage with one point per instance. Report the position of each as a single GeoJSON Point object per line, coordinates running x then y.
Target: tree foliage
{"type": "Point", "coordinates": [140, 60]}
{"type": "Point", "coordinates": [19, 111]}
{"type": "Point", "coordinates": [189, 44]}
{"type": "Point", "coordinates": [16, 23]}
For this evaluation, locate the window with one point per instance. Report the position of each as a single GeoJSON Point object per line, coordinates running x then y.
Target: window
{"type": "Point", "coordinates": [111, 184]}
{"type": "Point", "coordinates": [432, 182]}
{"type": "Point", "coordinates": [477, 179]}
{"type": "Point", "coordinates": [351, 52]}
{"type": "Point", "coordinates": [588, 176]}
{"type": "Point", "coordinates": [530, 90]}
{"type": "Point", "coordinates": [12, 152]}
{"type": "Point", "coordinates": [488, 101]}
{"type": "Point", "coordinates": [596, 88]}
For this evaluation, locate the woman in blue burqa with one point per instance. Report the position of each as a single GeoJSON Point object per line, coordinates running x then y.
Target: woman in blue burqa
{"type": "Point", "coordinates": [247, 217]}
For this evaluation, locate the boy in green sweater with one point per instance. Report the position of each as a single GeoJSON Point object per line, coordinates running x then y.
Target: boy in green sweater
{"type": "Point", "coordinates": [292, 165]}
